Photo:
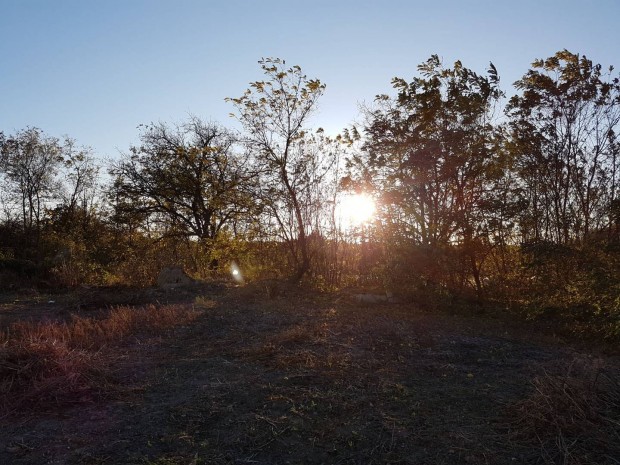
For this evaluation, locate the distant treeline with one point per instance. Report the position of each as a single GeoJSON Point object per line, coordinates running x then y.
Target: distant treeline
{"type": "Point", "coordinates": [482, 199]}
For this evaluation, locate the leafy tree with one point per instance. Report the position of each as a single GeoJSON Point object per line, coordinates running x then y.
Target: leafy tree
{"type": "Point", "coordinates": [564, 125]}
{"type": "Point", "coordinates": [564, 137]}
{"type": "Point", "coordinates": [30, 161]}
{"type": "Point", "coordinates": [274, 113]}
{"type": "Point", "coordinates": [184, 180]}
{"type": "Point", "coordinates": [436, 153]}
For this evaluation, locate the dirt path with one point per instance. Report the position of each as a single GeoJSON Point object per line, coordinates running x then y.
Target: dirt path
{"type": "Point", "coordinates": [293, 381]}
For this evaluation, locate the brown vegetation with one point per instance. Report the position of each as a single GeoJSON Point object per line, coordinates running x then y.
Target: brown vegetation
{"type": "Point", "coordinates": [312, 378]}
{"type": "Point", "coordinates": [52, 363]}
{"type": "Point", "coordinates": [414, 336]}
{"type": "Point", "coordinates": [573, 416]}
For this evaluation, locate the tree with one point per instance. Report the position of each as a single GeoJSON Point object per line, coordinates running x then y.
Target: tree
{"type": "Point", "coordinates": [78, 190]}
{"type": "Point", "coordinates": [564, 128]}
{"type": "Point", "coordinates": [185, 180]}
{"type": "Point", "coordinates": [81, 173]}
{"type": "Point", "coordinates": [435, 153]}
{"type": "Point", "coordinates": [30, 161]}
{"type": "Point", "coordinates": [274, 113]}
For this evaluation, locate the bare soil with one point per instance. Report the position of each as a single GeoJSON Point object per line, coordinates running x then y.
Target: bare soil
{"type": "Point", "coordinates": [317, 379]}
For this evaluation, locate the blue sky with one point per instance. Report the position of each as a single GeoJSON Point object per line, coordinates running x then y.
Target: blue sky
{"type": "Point", "coordinates": [95, 70]}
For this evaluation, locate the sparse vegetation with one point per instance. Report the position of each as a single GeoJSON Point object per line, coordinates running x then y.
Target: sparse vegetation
{"type": "Point", "coordinates": [314, 379]}
{"type": "Point", "coordinates": [52, 363]}
{"type": "Point", "coordinates": [444, 328]}
{"type": "Point", "coordinates": [573, 416]}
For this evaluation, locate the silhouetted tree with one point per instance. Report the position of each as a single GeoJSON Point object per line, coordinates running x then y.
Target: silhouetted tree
{"type": "Point", "coordinates": [186, 180]}
{"type": "Point", "coordinates": [436, 154]}
{"type": "Point", "coordinates": [274, 113]}
{"type": "Point", "coordinates": [564, 138]}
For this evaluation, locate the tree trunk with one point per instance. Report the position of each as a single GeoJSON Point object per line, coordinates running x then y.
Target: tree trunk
{"type": "Point", "coordinates": [303, 265]}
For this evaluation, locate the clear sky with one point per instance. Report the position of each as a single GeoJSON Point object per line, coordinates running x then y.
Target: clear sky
{"type": "Point", "coordinates": [96, 69]}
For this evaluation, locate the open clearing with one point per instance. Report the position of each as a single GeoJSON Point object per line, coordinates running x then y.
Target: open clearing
{"type": "Point", "coordinates": [305, 379]}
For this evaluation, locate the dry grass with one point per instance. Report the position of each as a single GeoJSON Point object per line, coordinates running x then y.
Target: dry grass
{"type": "Point", "coordinates": [305, 380]}
{"type": "Point", "coordinates": [51, 363]}
{"type": "Point", "coordinates": [572, 418]}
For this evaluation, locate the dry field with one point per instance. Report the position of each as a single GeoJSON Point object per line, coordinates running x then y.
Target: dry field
{"type": "Point", "coordinates": [221, 375]}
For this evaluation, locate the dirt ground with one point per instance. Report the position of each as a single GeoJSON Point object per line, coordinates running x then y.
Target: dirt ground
{"type": "Point", "coordinates": [302, 379]}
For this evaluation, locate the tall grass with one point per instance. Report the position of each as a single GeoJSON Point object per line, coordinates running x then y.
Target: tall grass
{"type": "Point", "coordinates": [66, 362]}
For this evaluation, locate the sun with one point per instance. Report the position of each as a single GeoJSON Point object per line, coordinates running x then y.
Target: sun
{"type": "Point", "coordinates": [355, 209]}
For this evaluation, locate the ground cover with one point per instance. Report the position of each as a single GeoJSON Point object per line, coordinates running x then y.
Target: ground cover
{"type": "Point", "coordinates": [319, 379]}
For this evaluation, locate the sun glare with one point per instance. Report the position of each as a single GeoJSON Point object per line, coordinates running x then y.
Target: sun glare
{"type": "Point", "coordinates": [236, 272]}
{"type": "Point", "coordinates": [355, 209]}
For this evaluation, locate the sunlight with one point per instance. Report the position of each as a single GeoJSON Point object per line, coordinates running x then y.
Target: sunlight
{"type": "Point", "coordinates": [236, 273]}
{"type": "Point", "coordinates": [355, 210]}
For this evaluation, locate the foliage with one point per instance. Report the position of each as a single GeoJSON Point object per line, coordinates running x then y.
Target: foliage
{"type": "Point", "coordinates": [564, 137]}
{"type": "Point", "coordinates": [185, 181]}
{"type": "Point", "coordinates": [576, 285]}
{"type": "Point", "coordinates": [435, 156]}
{"type": "Point", "coordinates": [274, 113]}
{"type": "Point", "coordinates": [514, 211]}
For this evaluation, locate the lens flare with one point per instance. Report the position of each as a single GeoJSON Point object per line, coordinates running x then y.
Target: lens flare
{"type": "Point", "coordinates": [236, 273]}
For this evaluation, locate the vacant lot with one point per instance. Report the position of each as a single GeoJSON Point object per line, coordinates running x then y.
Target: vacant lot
{"type": "Point", "coordinates": [307, 379]}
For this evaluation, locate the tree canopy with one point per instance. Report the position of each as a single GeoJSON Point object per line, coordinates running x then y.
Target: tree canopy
{"type": "Point", "coordinates": [188, 180]}
{"type": "Point", "coordinates": [513, 202]}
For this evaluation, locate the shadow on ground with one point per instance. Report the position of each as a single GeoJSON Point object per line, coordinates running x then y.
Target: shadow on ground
{"type": "Point", "coordinates": [317, 380]}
